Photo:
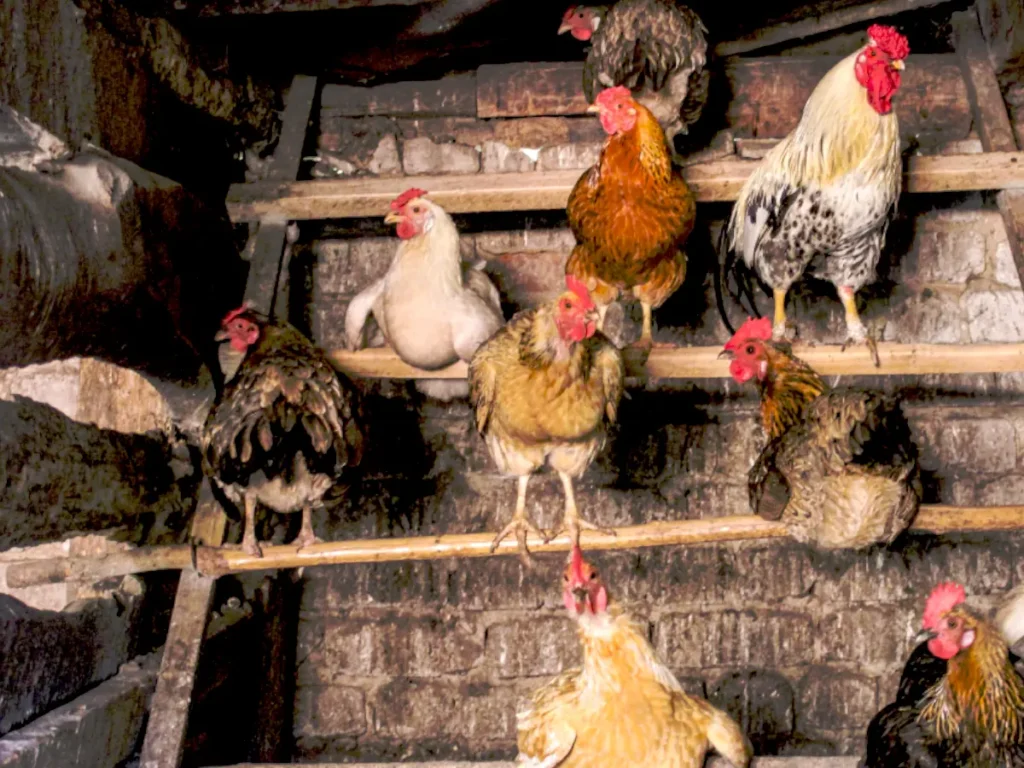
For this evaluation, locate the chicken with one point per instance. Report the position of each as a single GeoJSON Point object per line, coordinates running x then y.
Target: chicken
{"type": "Point", "coordinates": [821, 199]}
{"type": "Point", "coordinates": [960, 701]}
{"type": "Point", "coordinates": [285, 427]}
{"type": "Point", "coordinates": [840, 468]}
{"type": "Point", "coordinates": [545, 389]}
{"type": "Point", "coordinates": [631, 213]}
{"type": "Point", "coordinates": [655, 48]}
{"type": "Point", "coordinates": [431, 307]}
{"type": "Point", "coordinates": [624, 707]}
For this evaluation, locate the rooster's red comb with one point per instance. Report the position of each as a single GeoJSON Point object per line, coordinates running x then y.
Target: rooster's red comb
{"type": "Point", "coordinates": [893, 44]}
{"type": "Point", "coordinates": [941, 601]}
{"type": "Point", "coordinates": [578, 287]}
{"type": "Point", "coordinates": [609, 96]}
{"type": "Point", "coordinates": [760, 330]}
{"type": "Point", "coordinates": [236, 312]}
{"type": "Point", "coordinates": [568, 13]}
{"type": "Point", "coordinates": [576, 565]}
{"type": "Point", "coordinates": [410, 194]}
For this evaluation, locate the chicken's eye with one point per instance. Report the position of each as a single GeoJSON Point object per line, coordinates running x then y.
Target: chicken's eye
{"type": "Point", "coordinates": [415, 209]}
{"type": "Point", "coordinates": [566, 305]}
{"type": "Point", "coordinates": [951, 623]}
{"type": "Point", "coordinates": [750, 349]}
{"type": "Point", "coordinates": [593, 575]}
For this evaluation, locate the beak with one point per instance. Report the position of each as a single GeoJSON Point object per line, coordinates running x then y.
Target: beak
{"type": "Point", "coordinates": [563, 29]}
{"type": "Point", "coordinates": [924, 634]}
{"type": "Point", "coordinates": [593, 109]}
{"type": "Point", "coordinates": [725, 354]}
{"type": "Point", "coordinates": [393, 217]}
{"type": "Point", "coordinates": [221, 335]}
{"type": "Point", "coordinates": [898, 64]}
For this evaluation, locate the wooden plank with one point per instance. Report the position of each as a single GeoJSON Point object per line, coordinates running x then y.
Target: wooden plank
{"type": "Point", "coordinates": [785, 32]}
{"type": "Point", "coordinates": [215, 560]}
{"type": "Point", "coordinates": [265, 267]}
{"type": "Point", "coordinates": [168, 721]}
{"type": "Point", "coordinates": [1002, 22]}
{"type": "Point", "coordinates": [719, 181]}
{"type": "Point", "coordinates": [714, 761]}
{"type": "Point", "coordinates": [208, 9]}
{"type": "Point", "coordinates": [452, 96]}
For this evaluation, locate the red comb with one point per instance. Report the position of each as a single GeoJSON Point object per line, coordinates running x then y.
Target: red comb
{"type": "Point", "coordinates": [943, 599]}
{"type": "Point", "coordinates": [892, 43]}
{"type": "Point", "coordinates": [576, 564]}
{"type": "Point", "coordinates": [410, 194]}
{"type": "Point", "coordinates": [235, 313]}
{"type": "Point", "coordinates": [760, 329]}
{"type": "Point", "coordinates": [568, 13]}
{"type": "Point", "coordinates": [578, 287]}
{"type": "Point", "coordinates": [609, 96]}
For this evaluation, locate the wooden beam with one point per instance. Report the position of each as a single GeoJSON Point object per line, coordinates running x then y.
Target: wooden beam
{"type": "Point", "coordinates": [207, 9]}
{"type": "Point", "coordinates": [265, 282]}
{"type": "Point", "coordinates": [451, 96]}
{"type": "Point", "coordinates": [992, 122]}
{"type": "Point", "coordinates": [786, 32]}
{"type": "Point", "coordinates": [549, 190]}
{"type": "Point", "coordinates": [713, 761]}
{"type": "Point", "coordinates": [936, 519]}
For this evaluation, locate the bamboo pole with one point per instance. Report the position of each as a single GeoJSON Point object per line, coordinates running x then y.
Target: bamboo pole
{"type": "Point", "coordinates": [703, 362]}
{"type": "Point", "coordinates": [217, 561]}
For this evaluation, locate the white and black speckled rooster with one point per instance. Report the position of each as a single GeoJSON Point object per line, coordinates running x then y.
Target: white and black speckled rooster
{"type": "Point", "coordinates": [285, 427]}
{"type": "Point", "coordinates": [656, 48]}
{"type": "Point", "coordinates": [821, 199]}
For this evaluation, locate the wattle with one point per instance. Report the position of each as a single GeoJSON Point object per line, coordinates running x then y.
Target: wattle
{"type": "Point", "coordinates": [406, 229]}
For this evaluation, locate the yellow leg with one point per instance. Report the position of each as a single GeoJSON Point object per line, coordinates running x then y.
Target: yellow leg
{"type": "Point", "coordinates": [856, 332]}
{"type": "Point", "coordinates": [572, 523]}
{"type": "Point", "coordinates": [647, 332]}
{"type": "Point", "coordinates": [249, 544]}
{"type": "Point", "coordinates": [779, 323]}
{"type": "Point", "coordinates": [520, 525]}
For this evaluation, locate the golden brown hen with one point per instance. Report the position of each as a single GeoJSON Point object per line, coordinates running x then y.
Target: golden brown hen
{"type": "Point", "coordinates": [545, 388]}
{"type": "Point", "coordinates": [624, 707]}
{"type": "Point", "coordinates": [631, 213]}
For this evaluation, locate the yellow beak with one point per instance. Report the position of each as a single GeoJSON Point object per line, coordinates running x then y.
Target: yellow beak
{"type": "Point", "coordinates": [221, 335]}
{"type": "Point", "coordinates": [725, 354]}
{"type": "Point", "coordinates": [898, 64]}
{"type": "Point", "coordinates": [392, 218]}
{"type": "Point", "coordinates": [593, 108]}
{"type": "Point", "coordinates": [563, 29]}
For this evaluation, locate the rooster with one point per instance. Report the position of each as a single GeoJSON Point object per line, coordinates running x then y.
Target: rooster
{"type": "Point", "coordinates": [655, 48]}
{"type": "Point", "coordinates": [285, 427]}
{"type": "Point", "coordinates": [624, 707]}
{"type": "Point", "coordinates": [960, 701]}
{"type": "Point", "coordinates": [840, 468]}
{"type": "Point", "coordinates": [631, 213]}
{"type": "Point", "coordinates": [545, 389]}
{"type": "Point", "coordinates": [822, 198]}
{"type": "Point", "coordinates": [431, 307]}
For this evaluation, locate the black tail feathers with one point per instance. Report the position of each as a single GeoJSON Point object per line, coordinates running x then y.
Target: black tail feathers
{"type": "Point", "coordinates": [735, 278]}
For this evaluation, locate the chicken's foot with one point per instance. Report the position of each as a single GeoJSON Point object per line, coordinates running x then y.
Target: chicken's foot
{"type": "Point", "coordinates": [520, 525]}
{"type": "Point", "coordinates": [306, 535]}
{"type": "Point", "coordinates": [572, 523]}
{"type": "Point", "coordinates": [249, 544]}
{"type": "Point", "coordinates": [646, 341]}
{"type": "Point", "coordinates": [780, 329]}
{"type": "Point", "coordinates": [856, 332]}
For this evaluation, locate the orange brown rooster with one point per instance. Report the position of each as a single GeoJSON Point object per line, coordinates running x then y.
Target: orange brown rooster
{"type": "Point", "coordinates": [840, 468]}
{"type": "Point", "coordinates": [545, 389]}
{"type": "Point", "coordinates": [821, 199]}
{"type": "Point", "coordinates": [624, 707]}
{"type": "Point", "coordinates": [631, 213]}
{"type": "Point", "coordinates": [960, 701]}
{"type": "Point", "coordinates": [285, 427]}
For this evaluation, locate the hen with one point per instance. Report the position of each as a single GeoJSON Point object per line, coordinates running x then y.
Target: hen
{"type": "Point", "coordinates": [655, 48]}
{"type": "Point", "coordinates": [624, 707]}
{"type": "Point", "coordinates": [285, 427]}
{"type": "Point", "coordinates": [545, 389]}
{"type": "Point", "coordinates": [431, 307]}
{"type": "Point", "coordinates": [631, 213]}
{"type": "Point", "coordinates": [840, 468]}
{"type": "Point", "coordinates": [821, 199]}
{"type": "Point", "coordinates": [960, 700]}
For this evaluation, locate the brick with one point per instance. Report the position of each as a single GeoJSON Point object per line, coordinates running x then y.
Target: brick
{"type": "Point", "coordinates": [994, 315]}
{"type": "Point", "coordinates": [348, 266]}
{"type": "Point", "coordinates": [671, 576]}
{"type": "Point", "coordinates": [868, 635]}
{"type": "Point", "coordinates": [462, 130]}
{"type": "Point", "coordinates": [491, 244]}
{"type": "Point", "coordinates": [533, 132]}
{"type": "Point", "coordinates": [788, 564]}
{"type": "Point", "coordinates": [330, 711]}
{"type": "Point", "coordinates": [533, 646]}
{"type": "Point", "coordinates": [328, 322]}
{"type": "Point", "coordinates": [763, 705]}
{"type": "Point", "coordinates": [982, 563]}
{"type": "Point", "coordinates": [979, 445]}
{"type": "Point", "coordinates": [569, 156]}
{"type": "Point", "coordinates": [1005, 268]}
{"type": "Point", "coordinates": [421, 155]}
{"type": "Point", "coordinates": [497, 157]}
{"type": "Point", "coordinates": [1007, 490]}
{"type": "Point", "coordinates": [767, 639]}
{"type": "Point", "coordinates": [828, 697]}
{"type": "Point", "coordinates": [947, 257]}
{"type": "Point", "coordinates": [463, 711]}
{"type": "Point", "coordinates": [933, 317]}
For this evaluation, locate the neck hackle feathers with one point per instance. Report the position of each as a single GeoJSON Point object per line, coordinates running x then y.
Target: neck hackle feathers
{"type": "Point", "coordinates": [410, 194]}
{"type": "Point", "coordinates": [889, 41]}
{"type": "Point", "coordinates": [941, 601]}
{"type": "Point", "coordinates": [751, 330]}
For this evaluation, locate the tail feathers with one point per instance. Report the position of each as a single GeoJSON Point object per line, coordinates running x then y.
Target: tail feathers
{"type": "Point", "coordinates": [1010, 617]}
{"type": "Point", "coordinates": [729, 740]}
{"type": "Point", "coordinates": [735, 278]}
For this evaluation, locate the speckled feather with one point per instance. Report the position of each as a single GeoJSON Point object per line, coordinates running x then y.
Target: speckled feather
{"type": "Point", "coordinates": [840, 469]}
{"type": "Point", "coordinates": [284, 400]}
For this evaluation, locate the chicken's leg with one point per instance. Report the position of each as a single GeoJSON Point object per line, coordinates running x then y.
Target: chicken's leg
{"type": "Point", "coordinates": [572, 523]}
{"type": "Point", "coordinates": [306, 535]}
{"type": "Point", "coordinates": [856, 332]}
{"type": "Point", "coordinates": [249, 544]}
{"type": "Point", "coordinates": [646, 340]}
{"type": "Point", "coordinates": [520, 524]}
{"type": "Point", "coordinates": [779, 322]}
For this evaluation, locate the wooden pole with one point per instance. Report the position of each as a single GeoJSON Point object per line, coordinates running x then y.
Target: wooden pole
{"type": "Point", "coordinates": [936, 519]}
{"type": "Point", "coordinates": [704, 363]}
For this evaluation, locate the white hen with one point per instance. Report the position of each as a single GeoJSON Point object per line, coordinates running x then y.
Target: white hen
{"type": "Point", "coordinates": [432, 308]}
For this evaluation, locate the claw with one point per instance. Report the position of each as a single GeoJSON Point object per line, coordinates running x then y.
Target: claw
{"type": "Point", "coordinates": [305, 539]}
{"type": "Point", "coordinates": [520, 526]}
{"type": "Point", "coordinates": [574, 527]}
{"type": "Point", "coordinates": [251, 547]}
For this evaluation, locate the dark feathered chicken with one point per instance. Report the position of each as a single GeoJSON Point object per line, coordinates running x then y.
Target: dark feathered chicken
{"type": "Point", "coordinates": [285, 427]}
{"type": "Point", "coordinates": [655, 48]}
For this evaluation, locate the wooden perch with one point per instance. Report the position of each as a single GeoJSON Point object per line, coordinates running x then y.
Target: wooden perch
{"type": "Point", "coordinates": [703, 362]}
{"type": "Point", "coordinates": [214, 561]}
{"type": "Point", "coordinates": [549, 190]}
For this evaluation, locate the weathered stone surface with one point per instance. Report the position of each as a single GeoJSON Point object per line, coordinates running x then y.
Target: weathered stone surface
{"type": "Point", "coordinates": [868, 635]}
{"type": "Point", "coordinates": [532, 646]}
{"type": "Point", "coordinates": [994, 315]}
{"type": "Point", "coordinates": [534, 132]}
{"type": "Point", "coordinates": [1007, 490]}
{"type": "Point", "coordinates": [824, 694]}
{"type": "Point", "coordinates": [1005, 268]}
{"type": "Point", "coordinates": [497, 157]}
{"type": "Point", "coordinates": [385, 160]}
{"type": "Point", "coordinates": [492, 244]}
{"type": "Point", "coordinates": [462, 711]}
{"type": "Point", "coordinates": [948, 257]}
{"type": "Point", "coordinates": [529, 278]}
{"type": "Point", "coordinates": [565, 156]}
{"type": "Point", "coordinates": [769, 639]}
{"type": "Point", "coordinates": [330, 711]}
{"type": "Point", "coordinates": [57, 384]}
{"type": "Point", "coordinates": [981, 445]}
{"type": "Point", "coordinates": [933, 317]}
{"type": "Point", "coordinates": [763, 705]}
{"type": "Point", "coordinates": [421, 156]}
{"type": "Point", "coordinates": [349, 266]}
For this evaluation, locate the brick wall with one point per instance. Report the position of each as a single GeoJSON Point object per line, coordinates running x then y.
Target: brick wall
{"type": "Point", "coordinates": [428, 660]}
